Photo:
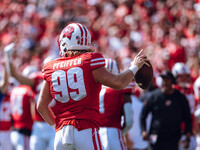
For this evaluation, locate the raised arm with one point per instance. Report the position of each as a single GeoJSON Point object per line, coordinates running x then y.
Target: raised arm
{"type": "Point", "coordinates": [12, 70]}
{"type": "Point", "coordinates": [4, 81]}
{"type": "Point", "coordinates": [117, 82]}
{"type": "Point", "coordinates": [19, 76]}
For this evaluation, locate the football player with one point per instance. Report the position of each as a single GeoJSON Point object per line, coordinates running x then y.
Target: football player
{"type": "Point", "coordinates": [42, 135]}
{"type": "Point", "coordinates": [22, 110]}
{"type": "Point", "coordinates": [74, 80]}
{"type": "Point", "coordinates": [113, 106]}
{"type": "Point", "coordinates": [5, 112]}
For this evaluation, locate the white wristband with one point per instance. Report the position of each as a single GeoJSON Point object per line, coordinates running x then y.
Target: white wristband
{"type": "Point", "coordinates": [134, 69]}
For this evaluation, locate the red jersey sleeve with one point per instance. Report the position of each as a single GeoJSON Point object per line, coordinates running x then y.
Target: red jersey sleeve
{"type": "Point", "coordinates": [46, 66]}
{"type": "Point", "coordinates": [129, 88]}
{"type": "Point", "coordinates": [97, 60]}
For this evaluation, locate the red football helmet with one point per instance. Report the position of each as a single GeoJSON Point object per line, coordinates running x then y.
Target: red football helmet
{"type": "Point", "coordinates": [74, 36]}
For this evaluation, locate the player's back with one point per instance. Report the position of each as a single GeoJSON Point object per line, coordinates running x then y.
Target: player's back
{"type": "Point", "coordinates": [74, 88]}
{"type": "Point", "coordinates": [37, 76]}
{"type": "Point", "coordinates": [5, 111]}
{"type": "Point", "coordinates": [111, 106]}
{"type": "Point", "coordinates": [21, 97]}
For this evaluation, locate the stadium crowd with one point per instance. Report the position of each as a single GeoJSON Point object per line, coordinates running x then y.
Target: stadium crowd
{"type": "Point", "coordinates": [167, 30]}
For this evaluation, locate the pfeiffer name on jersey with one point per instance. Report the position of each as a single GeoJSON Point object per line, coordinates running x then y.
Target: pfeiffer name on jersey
{"type": "Point", "coordinates": [67, 63]}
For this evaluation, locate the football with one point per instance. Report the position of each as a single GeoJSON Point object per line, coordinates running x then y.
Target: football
{"type": "Point", "coordinates": [144, 76]}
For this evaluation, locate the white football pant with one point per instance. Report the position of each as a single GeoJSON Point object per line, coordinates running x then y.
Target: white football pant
{"type": "Point", "coordinates": [69, 138]}
{"type": "Point", "coordinates": [112, 139]}
{"type": "Point", "coordinates": [42, 137]}
{"type": "Point", "coordinates": [5, 143]}
{"type": "Point", "coordinates": [19, 141]}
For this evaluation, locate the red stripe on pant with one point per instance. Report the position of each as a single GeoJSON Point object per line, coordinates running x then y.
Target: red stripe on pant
{"type": "Point", "coordinates": [97, 143]}
{"type": "Point", "coordinates": [121, 139]}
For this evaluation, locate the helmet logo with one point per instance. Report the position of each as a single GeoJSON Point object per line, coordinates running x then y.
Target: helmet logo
{"type": "Point", "coordinates": [78, 39]}
{"type": "Point", "coordinates": [68, 32]}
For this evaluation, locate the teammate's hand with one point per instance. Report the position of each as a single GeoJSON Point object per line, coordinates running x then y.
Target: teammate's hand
{"type": "Point", "coordinates": [9, 49]}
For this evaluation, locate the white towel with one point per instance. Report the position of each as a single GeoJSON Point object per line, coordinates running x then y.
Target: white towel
{"type": "Point", "coordinates": [67, 135]}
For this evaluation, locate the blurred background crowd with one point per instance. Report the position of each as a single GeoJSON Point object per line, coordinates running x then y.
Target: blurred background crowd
{"type": "Point", "coordinates": [167, 30]}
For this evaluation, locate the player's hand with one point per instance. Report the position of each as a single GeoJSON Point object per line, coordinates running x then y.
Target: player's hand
{"type": "Point", "coordinates": [145, 135]}
{"type": "Point", "coordinates": [186, 142]}
{"type": "Point", "coordinates": [140, 59]}
{"type": "Point", "coordinates": [130, 145]}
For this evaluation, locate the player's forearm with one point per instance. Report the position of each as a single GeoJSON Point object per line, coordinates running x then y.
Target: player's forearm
{"type": "Point", "coordinates": [43, 104]}
{"type": "Point", "coordinates": [128, 141]}
{"type": "Point", "coordinates": [120, 81]}
{"type": "Point", "coordinates": [19, 77]}
{"type": "Point", "coordinates": [47, 115]}
{"type": "Point", "coordinates": [116, 82]}
{"type": "Point", "coordinates": [123, 79]}
{"type": "Point", "coordinates": [45, 111]}
{"type": "Point", "coordinates": [32, 108]}
{"type": "Point", "coordinates": [4, 82]}
{"type": "Point", "coordinates": [25, 80]}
